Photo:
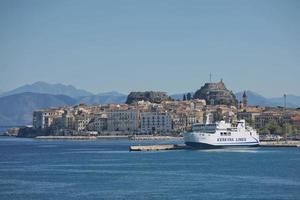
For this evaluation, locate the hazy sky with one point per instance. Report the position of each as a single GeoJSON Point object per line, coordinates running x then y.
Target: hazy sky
{"type": "Point", "coordinates": [151, 45]}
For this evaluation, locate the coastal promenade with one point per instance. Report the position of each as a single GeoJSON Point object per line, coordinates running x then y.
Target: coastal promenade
{"type": "Point", "coordinates": [152, 137]}
{"type": "Point", "coordinates": [113, 137]}
{"type": "Point", "coordinates": [66, 137]}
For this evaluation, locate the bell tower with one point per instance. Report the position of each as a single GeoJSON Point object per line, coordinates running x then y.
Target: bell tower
{"type": "Point", "coordinates": [245, 100]}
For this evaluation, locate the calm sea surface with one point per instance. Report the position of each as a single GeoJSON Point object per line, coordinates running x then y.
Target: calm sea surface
{"type": "Point", "coordinates": [104, 169]}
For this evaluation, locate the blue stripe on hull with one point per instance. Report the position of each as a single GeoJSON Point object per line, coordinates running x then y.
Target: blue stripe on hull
{"type": "Point", "coordinates": [199, 145]}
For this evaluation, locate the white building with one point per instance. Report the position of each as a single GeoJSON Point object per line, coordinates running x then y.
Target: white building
{"type": "Point", "coordinates": [98, 124]}
{"type": "Point", "coordinates": [68, 120]}
{"type": "Point", "coordinates": [123, 120]}
{"type": "Point", "coordinates": [264, 118]}
{"type": "Point", "coordinates": [183, 121]}
{"type": "Point", "coordinates": [156, 122]}
{"type": "Point", "coordinates": [81, 122]}
{"type": "Point", "coordinates": [198, 104]}
{"type": "Point", "coordinates": [45, 118]}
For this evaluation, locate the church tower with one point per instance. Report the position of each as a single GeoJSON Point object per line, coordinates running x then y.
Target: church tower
{"type": "Point", "coordinates": [245, 100]}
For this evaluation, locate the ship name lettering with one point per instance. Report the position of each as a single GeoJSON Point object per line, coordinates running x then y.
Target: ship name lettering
{"type": "Point", "coordinates": [240, 139]}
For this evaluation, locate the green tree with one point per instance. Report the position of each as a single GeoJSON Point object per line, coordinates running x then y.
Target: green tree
{"type": "Point", "coordinates": [264, 131]}
{"type": "Point", "coordinates": [184, 98]}
{"type": "Point", "coordinates": [288, 129]}
{"type": "Point", "coordinates": [274, 128]}
{"type": "Point", "coordinates": [250, 122]}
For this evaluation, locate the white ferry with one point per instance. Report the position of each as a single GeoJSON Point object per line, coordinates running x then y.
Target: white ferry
{"type": "Point", "coordinates": [221, 135]}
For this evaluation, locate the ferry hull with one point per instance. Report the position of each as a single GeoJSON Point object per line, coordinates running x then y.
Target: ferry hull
{"type": "Point", "coordinates": [199, 145]}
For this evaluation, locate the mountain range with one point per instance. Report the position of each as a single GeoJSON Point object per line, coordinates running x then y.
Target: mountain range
{"type": "Point", "coordinates": [17, 109]}
{"type": "Point", "coordinates": [255, 99]}
{"type": "Point", "coordinates": [103, 98]}
{"type": "Point", "coordinates": [46, 88]}
{"type": "Point", "coordinates": [16, 106]}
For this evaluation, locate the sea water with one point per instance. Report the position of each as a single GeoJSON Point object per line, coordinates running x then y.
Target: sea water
{"type": "Point", "coordinates": [105, 169]}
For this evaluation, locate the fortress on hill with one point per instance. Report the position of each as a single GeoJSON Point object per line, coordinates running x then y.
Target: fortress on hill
{"type": "Point", "coordinates": [212, 93]}
{"type": "Point", "coordinates": [216, 94]}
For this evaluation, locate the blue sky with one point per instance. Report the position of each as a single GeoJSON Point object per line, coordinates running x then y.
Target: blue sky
{"type": "Point", "coordinates": [169, 45]}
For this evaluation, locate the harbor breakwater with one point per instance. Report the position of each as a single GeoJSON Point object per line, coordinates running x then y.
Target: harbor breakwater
{"type": "Point", "coordinates": [167, 147]}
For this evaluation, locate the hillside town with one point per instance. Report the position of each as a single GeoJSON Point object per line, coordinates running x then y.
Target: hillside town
{"type": "Point", "coordinates": [155, 113]}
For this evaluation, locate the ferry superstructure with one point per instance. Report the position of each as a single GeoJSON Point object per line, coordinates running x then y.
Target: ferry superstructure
{"type": "Point", "coordinates": [221, 134]}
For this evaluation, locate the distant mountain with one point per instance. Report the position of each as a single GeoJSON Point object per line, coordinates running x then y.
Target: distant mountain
{"type": "Point", "coordinates": [103, 98]}
{"type": "Point", "coordinates": [17, 109]}
{"type": "Point", "coordinates": [291, 101]}
{"type": "Point", "coordinates": [255, 99]}
{"type": "Point", "coordinates": [111, 93]}
{"type": "Point", "coordinates": [46, 88]}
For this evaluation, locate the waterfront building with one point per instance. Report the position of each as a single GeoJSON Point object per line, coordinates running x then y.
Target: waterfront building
{"type": "Point", "coordinates": [264, 118]}
{"type": "Point", "coordinates": [245, 115]}
{"type": "Point", "coordinates": [98, 123]}
{"type": "Point", "coordinates": [156, 122]}
{"type": "Point", "coordinates": [183, 121]}
{"type": "Point", "coordinates": [295, 120]}
{"type": "Point", "coordinates": [81, 122]}
{"type": "Point", "coordinates": [123, 120]}
{"type": "Point", "coordinates": [68, 119]}
{"type": "Point", "coordinates": [46, 117]}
